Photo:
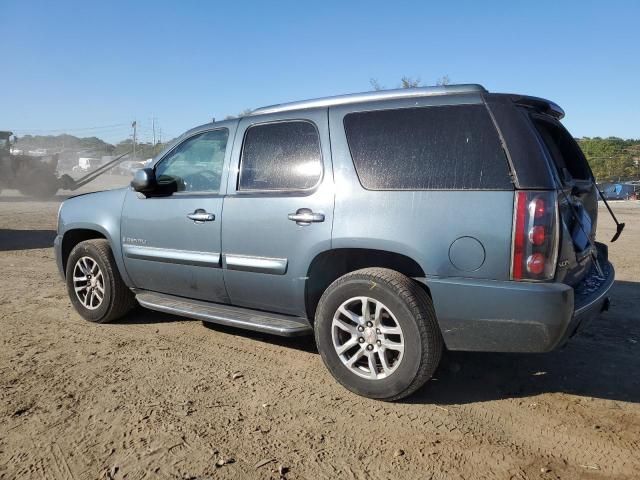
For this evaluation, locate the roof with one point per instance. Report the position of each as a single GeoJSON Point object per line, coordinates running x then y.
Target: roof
{"type": "Point", "coordinates": [372, 96]}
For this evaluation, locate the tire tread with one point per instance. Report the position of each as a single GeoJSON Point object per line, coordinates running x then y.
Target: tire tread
{"type": "Point", "coordinates": [122, 298]}
{"type": "Point", "coordinates": [421, 307]}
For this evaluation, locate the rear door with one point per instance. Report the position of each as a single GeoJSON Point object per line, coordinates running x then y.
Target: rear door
{"type": "Point", "coordinates": [278, 211]}
{"type": "Point", "coordinates": [578, 199]}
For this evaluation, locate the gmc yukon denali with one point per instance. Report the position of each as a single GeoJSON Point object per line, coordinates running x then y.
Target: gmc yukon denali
{"type": "Point", "coordinates": [390, 225]}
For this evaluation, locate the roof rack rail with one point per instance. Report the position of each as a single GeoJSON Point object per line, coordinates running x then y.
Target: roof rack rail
{"type": "Point", "coordinates": [372, 96]}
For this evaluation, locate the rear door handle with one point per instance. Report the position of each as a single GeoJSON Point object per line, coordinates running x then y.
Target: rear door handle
{"type": "Point", "coordinates": [305, 216]}
{"type": "Point", "coordinates": [201, 216]}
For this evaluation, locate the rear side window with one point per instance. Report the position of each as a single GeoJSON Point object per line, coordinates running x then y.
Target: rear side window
{"type": "Point", "coordinates": [564, 150]}
{"type": "Point", "coordinates": [429, 148]}
{"type": "Point", "coordinates": [280, 156]}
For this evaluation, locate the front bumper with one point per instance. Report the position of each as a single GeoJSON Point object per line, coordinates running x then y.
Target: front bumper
{"type": "Point", "coordinates": [57, 250]}
{"type": "Point", "coordinates": [505, 316]}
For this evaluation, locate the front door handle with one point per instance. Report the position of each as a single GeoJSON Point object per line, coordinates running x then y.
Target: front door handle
{"type": "Point", "coordinates": [201, 216]}
{"type": "Point", "coordinates": [305, 216]}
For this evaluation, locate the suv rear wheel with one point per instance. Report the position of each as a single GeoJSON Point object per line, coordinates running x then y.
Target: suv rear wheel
{"type": "Point", "coordinates": [377, 333]}
{"type": "Point", "coordinates": [94, 284]}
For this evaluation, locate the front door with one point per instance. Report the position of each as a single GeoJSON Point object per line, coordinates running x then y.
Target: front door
{"type": "Point", "coordinates": [171, 243]}
{"type": "Point", "coordinates": [279, 209]}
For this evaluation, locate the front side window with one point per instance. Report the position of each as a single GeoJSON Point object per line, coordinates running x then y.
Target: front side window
{"type": "Point", "coordinates": [196, 164]}
{"type": "Point", "coordinates": [427, 148]}
{"type": "Point", "coordinates": [280, 156]}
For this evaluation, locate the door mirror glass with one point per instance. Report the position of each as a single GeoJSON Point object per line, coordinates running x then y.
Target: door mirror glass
{"type": "Point", "coordinates": [144, 180]}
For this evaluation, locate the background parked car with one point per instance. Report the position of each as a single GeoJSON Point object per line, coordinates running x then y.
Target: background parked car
{"type": "Point", "coordinates": [129, 167]}
{"type": "Point", "coordinates": [621, 191]}
{"type": "Point", "coordinates": [86, 164]}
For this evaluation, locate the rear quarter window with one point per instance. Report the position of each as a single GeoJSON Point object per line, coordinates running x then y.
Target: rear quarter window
{"type": "Point", "coordinates": [428, 148]}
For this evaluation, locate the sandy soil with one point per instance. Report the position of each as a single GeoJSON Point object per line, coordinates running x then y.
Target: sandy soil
{"type": "Point", "coordinates": [155, 396]}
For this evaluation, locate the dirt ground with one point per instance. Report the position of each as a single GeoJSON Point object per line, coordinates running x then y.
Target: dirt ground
{"type": "Point", "coordinates": [155, 396]}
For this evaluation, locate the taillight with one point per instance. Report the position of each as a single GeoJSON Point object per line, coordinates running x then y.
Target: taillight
{"type": "Point", "coordinates": [535, 236]}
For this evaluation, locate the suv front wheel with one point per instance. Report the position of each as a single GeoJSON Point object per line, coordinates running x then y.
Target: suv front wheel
{"type": "Point", "coordinates": [377, 333]}
{"type": "Point", "coordinates": [95, 287]}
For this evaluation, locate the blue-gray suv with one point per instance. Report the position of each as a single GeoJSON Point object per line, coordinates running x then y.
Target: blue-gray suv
{"type": "Point", "coordinates": [390, 224]}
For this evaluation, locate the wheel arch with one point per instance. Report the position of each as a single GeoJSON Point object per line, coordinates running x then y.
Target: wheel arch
{"type": "Point", "coordinates": [73, 237]}
{"type": "Point", "coordinates": [329, 265]}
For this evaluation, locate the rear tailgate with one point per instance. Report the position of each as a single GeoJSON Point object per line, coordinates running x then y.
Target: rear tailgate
{"type": "Point", "coordinates": [577, 199]}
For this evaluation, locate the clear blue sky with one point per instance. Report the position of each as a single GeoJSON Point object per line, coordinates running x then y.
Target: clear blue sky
{"type": "Point", "coordinates": [72, 65]}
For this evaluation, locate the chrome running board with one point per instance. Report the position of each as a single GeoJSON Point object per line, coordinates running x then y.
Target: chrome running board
{"type": "Point", "coordinates": [276, 324]}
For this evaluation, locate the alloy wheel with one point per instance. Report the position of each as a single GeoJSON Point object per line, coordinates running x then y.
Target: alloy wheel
{"type": "Point", "coordinates": [88, 283]}
{"type": "Point", "coordinates": [367, 338]}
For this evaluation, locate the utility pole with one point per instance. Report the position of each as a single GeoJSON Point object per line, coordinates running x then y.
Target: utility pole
{"type": "Point", "coordinates": [153, 127]}
{"type": "Point", "coordinates": [134, 125]}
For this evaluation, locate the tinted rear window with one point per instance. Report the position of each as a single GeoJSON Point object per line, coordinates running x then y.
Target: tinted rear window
{"type": "Point", "coordinates": [564, 150]}
{"type": "Point", "coordinates": [281, 156]}
{"type": "Point", "coordinates": [430, 148]}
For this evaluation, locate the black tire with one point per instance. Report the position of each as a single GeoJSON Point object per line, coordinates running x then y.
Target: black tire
{"type": "Point", "coordinates": [41, 185]}
{"type": "Point", "coordinates": [414, 313]}
{"type": "Point", "coordinates": [118, 299]}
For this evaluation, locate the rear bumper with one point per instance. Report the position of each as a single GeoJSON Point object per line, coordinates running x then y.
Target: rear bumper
{"type": "Point", "coordinates": [591, 298]}
{"type": "Point", "coordinates": [504, 316]}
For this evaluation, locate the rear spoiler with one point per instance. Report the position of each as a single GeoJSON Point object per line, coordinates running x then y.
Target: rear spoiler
{"type": "Point", "coordinates": [540, 104]}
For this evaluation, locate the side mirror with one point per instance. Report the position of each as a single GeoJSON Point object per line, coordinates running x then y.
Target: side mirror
{"type": "Point", "coordinates": [144, 180]}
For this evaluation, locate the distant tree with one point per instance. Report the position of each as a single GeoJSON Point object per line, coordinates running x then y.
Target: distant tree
{"type": "Point", "coordinates": [375, 84]}
{"type": "Point", "coordinates": [444, 80]}
{"type": "Point", "coordinates": [612, 158]}
{"type": "Point", "coordinates": [408, 82]}
{"type": "Point", "coordinates": [123, 146]}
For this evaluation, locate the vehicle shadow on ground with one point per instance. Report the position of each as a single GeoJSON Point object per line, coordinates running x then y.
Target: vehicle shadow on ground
{"type": "Point", "coordinates": [25, 239]}
{"type": "Point", "coordinates": [142, 316]}
{"type": "Point", "coordinates": [602, 361]}
{"type": "Point", "coordinates": [305, 343]}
